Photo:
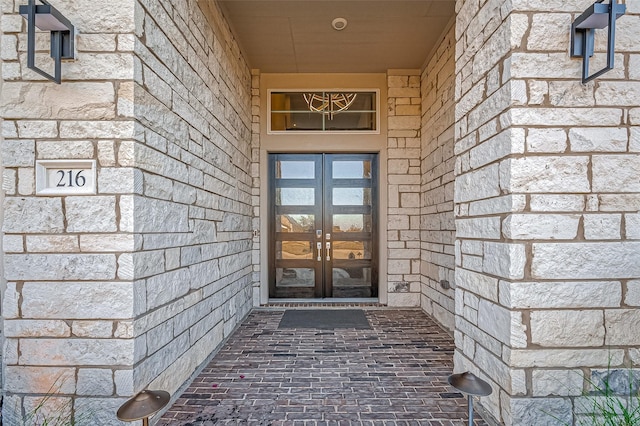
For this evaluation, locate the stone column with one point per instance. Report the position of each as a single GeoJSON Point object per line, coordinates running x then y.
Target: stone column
{"type": "Point", "coordinates": [255, 186]}
{"type": "Point", "coordinates": [134, 286]}
{"type": "Point", "coordinates": [403, 230]}
{"type": "Point", "coordinates": [547, 199]}
{"type": "Point", "coordinates": [3, 282]}
{"type": "Point", "coordinates": [68, 306]}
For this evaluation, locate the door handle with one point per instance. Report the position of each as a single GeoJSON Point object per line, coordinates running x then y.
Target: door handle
{"type": "Point", "coordinates": [319, 247]}
{"type": "Point", "coordinates": [328, 247]}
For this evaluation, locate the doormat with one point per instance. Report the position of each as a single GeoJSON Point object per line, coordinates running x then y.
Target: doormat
{"type": "Point", "coordinates": [325, 319]}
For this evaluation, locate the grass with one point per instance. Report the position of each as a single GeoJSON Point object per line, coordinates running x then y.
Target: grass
{"type": "Point", "coordinates": [612, 400]}
{"type": "Point", "coordinates": [605, 406]}
{"type": "Point", "coordinates": [51, 409]}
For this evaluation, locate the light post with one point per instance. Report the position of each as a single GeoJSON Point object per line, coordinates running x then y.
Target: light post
{"type": "Point", "coordinates": [471, 385]}
{"type": "Point", "coordinates": [143, 405]}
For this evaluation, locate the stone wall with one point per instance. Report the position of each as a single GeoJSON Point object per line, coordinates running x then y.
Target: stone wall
{"type": "Point", "coordinates": [255, 176]}
{"type": "Point", "coordinates": [547, 202]}
{"type": "Point", "coordinates": [68, 306]}
{"type": "Point", "coordinates": [437, 168]}
{"type": "Point", "coordinates": [193, 150]}
{"type": "Point", "coordinates": [403, 167]}
{"type": "Point", "coordinates": [136, 285]}
{"type": "Point", "coordinates": [3, 282]}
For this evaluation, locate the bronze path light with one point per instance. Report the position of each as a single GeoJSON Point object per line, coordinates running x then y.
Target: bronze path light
{"type": "Point", "coordinates": [143, 405]}
{"type": "Point", "coordinates": [471, 385]}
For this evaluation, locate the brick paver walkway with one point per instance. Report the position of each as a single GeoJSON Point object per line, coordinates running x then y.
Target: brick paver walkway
{"type": "Point", "coordinates": [393, 374]}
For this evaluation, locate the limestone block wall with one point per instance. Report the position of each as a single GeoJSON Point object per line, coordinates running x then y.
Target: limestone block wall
{"type": "Point", "coordinates": [3, 282]}
{"type": "Point", "coordinates": [547, 197]}
{"type": "Point", "coordinates": [437, 168]}
{"type": "Point", "coordinates": [68, 305]}
{"type": "Point", "coordinates": [192, 275]}
{"type": "Point", "coordinates": [403, 167]}
{"type": "Point", "coordinates": [255, 176]}
{"type": "Point", "coordinates": [485, 330]}
{"type": "Point", "coordinates": [135, 286]}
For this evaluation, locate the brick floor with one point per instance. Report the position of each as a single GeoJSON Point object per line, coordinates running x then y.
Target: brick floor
{"type": "Point", "coordinates": [393, 374]}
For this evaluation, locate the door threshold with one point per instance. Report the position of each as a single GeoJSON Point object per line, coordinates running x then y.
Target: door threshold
{"type": "Point", "coordinates": [324, 303]}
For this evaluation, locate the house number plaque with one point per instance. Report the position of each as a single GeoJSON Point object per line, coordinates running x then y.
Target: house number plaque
{"type": "Point", "coordinates": [65, 177]}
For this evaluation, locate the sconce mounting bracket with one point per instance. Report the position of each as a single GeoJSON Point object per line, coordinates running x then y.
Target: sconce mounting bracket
{"type": "Point", "coordinates": [597, 16]}
{"type": "Point", "coordinates": [45, 17]}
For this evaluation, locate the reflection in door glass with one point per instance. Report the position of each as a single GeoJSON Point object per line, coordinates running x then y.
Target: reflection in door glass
{"type": "Point", "coordinates": [294, 250]}
{"type": "Point", "coordinates": [295, 223]}
{"type": "Point", "coordinates": [295, 277]}
{"type": "Point", "coordinates": [351, 196]}
{"type": "Point", "coordinates": [295, 196]}
{"type": "Point", "coordinates": [354, 250]}
{"type": "Point", "coordinates": [295, 170]}
{"type": "Point", "coordinates": [352, 169]}
{"type": "Point", "coordinates": [352, 282]}
{"type": "Point", "coordinates": [351, 223]}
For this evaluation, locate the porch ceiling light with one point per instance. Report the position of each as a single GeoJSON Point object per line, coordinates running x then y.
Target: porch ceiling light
{"type": "Point", "coordinates": [48, 18]}
{"type": "Point", "coordinates": [597, 16]}
{"type": "Point", "coordinates": [339, 24]}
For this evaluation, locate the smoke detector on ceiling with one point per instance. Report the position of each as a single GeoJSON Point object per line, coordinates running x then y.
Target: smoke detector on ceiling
{"type": "Point", "coordinates": [339, 24]}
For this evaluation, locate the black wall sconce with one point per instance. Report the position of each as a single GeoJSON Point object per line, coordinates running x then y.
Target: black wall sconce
{"type": "Point", "coordinates": [598, 16]}
{"type": "Point", "coordinates": [47, 18]}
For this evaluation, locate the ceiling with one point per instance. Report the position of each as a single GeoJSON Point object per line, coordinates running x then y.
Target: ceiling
{"type": "Point", "coordinates": [296, 36]}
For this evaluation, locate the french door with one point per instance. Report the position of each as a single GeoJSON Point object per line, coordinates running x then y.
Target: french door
{"type": "Point", "coordinates": [323, 225]}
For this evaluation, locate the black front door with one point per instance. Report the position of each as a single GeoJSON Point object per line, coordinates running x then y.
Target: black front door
{"type": "Point", "coordinates": [323, 225]}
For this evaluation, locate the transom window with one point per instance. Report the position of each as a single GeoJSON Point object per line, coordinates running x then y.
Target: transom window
{"type": "Point", "coordinates": [324, 111]}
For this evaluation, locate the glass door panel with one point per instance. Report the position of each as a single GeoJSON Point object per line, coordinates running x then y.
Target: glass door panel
{"type": "Point", "coordinates": [294, 250]}
{"type": "Point", "coordinates": [349, 213]}
{"type": "Point", "coordinates": [344, 169]}
{"type": "Point", "coordinates": [295, 223]}
{"type": "Point", "coordinates": [352, 223]}
{"type": "Point", "coordinates": [295, 169]}
{"type": "Point", "coordinates": [352, 250]}
{"type": "Point", "coordinates": [352, 282]}
{"type": "Point", "coordinates": [351, 196]}
{"type": "Point", "coordinates": [296, 214]}
{"type": "Point", "coordinates": [295, 196]}
{"type": "Point", "coordinates": [295, 277]}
